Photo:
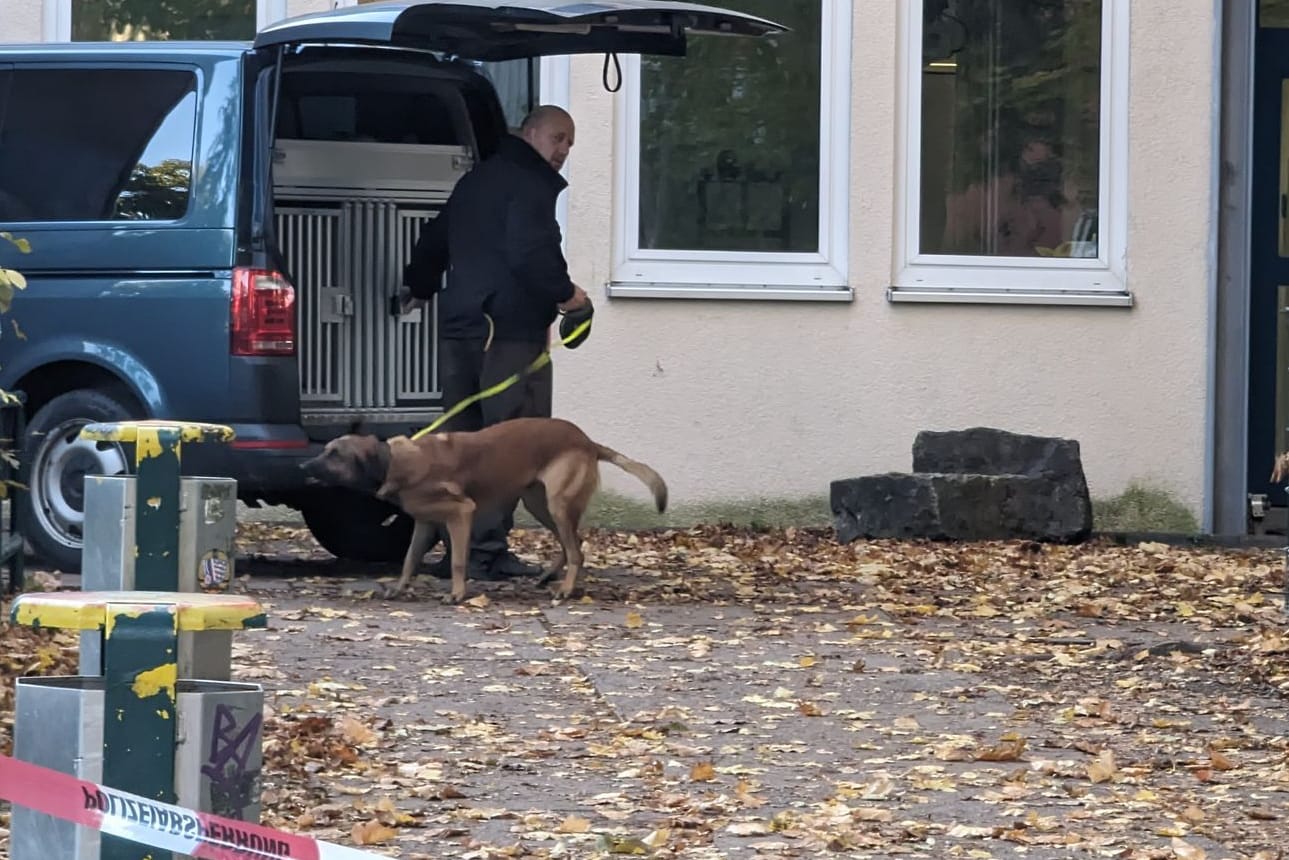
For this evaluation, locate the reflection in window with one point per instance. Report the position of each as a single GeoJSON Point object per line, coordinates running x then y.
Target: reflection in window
{"type": "Point", "coordinates": [159, 184]}
{"type": "Point", "coordinates": [1273, 13]}
{"type": "Point", "coordinates": [139, 20]}
{"type": "Point", "coordinates": [730, 138]}
{"type": "Point", "coordinates": [1010, 149]}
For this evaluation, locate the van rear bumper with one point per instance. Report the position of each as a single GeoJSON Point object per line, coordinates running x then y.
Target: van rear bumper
{"type": "Point", "coordinates": [264, 459]}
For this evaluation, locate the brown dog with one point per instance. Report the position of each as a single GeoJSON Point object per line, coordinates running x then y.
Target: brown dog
{"type": "Point", "coordinates": [446, 478]}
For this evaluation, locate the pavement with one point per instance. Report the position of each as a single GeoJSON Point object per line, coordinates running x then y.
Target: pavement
{"type": "Point", "coordinates": [721, 706]}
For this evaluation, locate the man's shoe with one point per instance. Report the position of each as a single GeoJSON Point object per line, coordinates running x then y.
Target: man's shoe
{"type": "Point", "coordinates": [480, 567]}
{"type": "Point", "coordinates": [509, 566]}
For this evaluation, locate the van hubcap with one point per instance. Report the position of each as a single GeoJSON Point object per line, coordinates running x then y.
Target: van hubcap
{"type": "Point", "coordinates": [58, 480]}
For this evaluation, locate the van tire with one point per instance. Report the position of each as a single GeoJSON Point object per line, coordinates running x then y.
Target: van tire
{"type": "Point", "coordinates": [351, 525]}
{"type": "Point", "coordinates": [50, 512]}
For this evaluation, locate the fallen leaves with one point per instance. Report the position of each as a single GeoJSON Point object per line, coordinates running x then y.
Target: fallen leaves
{"type": "Point", "coordinates": [777, 689]}
{"type": "Point", "coordinates": [372, 833]}
{"type": "Point", "coordinates": [1103, 767]}
{"type": "Point", "coordinates": [1009, 748]}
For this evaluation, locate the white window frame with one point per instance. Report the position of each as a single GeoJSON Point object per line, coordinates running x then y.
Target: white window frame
{"type": "Point", "coordinates": [57, 24]}
{"type": "Point", "coordinates": [821, 275]}
{"type": "Point", "coordinates": [1043, 280]}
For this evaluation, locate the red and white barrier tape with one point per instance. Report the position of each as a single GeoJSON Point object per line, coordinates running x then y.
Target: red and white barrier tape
{"type": "Point", "coordinates": [155, 824]}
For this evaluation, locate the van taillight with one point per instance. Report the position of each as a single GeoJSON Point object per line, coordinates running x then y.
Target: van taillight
{"type": "Point", "coordinates": [263, 313]}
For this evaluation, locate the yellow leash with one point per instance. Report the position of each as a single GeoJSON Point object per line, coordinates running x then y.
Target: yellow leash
{"type": "Point", "coordinates": [537, 364]}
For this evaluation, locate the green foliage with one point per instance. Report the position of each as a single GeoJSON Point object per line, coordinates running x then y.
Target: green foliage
{"type": "Point", "coordinates": [1143, 509]}
{"type": "Point", "coordinates": [132, 20]}
{"type": "Point", "coordinates": [734, 127]}
{"type": "Point", "coordinates": [11, 281]}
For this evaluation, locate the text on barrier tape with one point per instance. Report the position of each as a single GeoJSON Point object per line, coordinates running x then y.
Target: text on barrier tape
{"type": "Point", "coordinates": [158, 825]}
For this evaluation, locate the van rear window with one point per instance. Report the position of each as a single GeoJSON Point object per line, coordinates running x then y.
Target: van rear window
{"type": "Point", "coordinates": [378, 117]}
{"type": "Point", "coordinates": [97, 145]}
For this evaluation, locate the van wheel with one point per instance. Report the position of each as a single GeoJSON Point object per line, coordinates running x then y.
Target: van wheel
{"type": "Point", "coordinates": [352, 525]}
{"type": "Point", "coordinates": [55, 461]}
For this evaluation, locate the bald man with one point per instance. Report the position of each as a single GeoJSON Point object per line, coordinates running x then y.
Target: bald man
{"type": "Point", "coordinates": [507, 281]}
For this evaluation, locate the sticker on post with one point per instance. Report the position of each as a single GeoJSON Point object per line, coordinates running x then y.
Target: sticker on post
{"type": "Point", "coordinates": [215, 569]}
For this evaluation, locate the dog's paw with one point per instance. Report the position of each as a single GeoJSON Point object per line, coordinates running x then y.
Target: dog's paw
{"type": "Point", "coordinates": [451, 599]}
{"type": "Point", "coordinates": [398, 591]}
{"type": "Point", "coordinates": [563, 593]}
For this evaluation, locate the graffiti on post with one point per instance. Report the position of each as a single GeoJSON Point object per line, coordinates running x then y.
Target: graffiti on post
{"type": "Point", "coordinates": [233, 783]}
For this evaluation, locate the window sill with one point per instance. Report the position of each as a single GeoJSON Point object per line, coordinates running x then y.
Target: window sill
{"type": "Point", "coordinates": [741, 292]}
{"type": "Point", "coordinates": [969, 296]}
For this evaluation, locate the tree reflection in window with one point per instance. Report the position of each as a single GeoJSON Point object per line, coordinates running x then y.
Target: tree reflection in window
{"type": "Point", "coordinates": [730, 138]}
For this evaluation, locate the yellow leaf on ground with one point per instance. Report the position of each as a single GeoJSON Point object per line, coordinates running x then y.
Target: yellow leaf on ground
{"type": "Point", "coordinates": [372, 833]}
{"type": "Point", "coordinates": [702, 772]}
{"type": "Point", "coordinates": [574, 824]}
{"type": "Point", "coordinates": [628, 845]}
{"type": "Point", "coordinates": [1102, 768]}
{"type": "Point", "coordinates": [634, 620]}
{"type": "Point", "coordinates": [1220, 761]}
{"type": "Point", "coordinates": [355, 732]}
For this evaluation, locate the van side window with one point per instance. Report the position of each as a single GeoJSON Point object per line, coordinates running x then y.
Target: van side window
{"type": "Point", "coordinates": [97, 144]}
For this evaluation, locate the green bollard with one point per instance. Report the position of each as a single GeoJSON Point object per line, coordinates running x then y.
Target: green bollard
{"type": "Point", "coordinates": [141, 651]}
{"type": "Point", "coordinates": [140, 660]}
{"type": "Point", "coordinates": [139, 705]}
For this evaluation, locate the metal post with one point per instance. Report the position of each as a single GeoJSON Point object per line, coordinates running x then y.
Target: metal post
{"type": "Point", "coordinates": [140, 671]}
{"type": "Point", "coordinates": [156, 530]}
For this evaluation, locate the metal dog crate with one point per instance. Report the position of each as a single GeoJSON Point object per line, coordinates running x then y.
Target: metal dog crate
{"type": "Point", "coordinates": [207, 530]}
{"type": "Point", "coordinates": [347, 215]}
{"type": "Point", "coordinates": [59, 725]}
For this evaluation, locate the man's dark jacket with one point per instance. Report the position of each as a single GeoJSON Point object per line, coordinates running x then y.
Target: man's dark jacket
{"type": "Point", "coordinates": [499, 242]}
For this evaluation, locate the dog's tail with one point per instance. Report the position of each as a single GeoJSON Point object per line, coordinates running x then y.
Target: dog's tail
{"type": "Point", "coordinates": [646, 475]}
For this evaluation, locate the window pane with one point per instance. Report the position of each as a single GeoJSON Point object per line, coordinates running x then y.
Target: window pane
{"type": "Point", "coordinates": [97, 144]}
{"type": "Point", "coordinates": [351, 108]}
{"type": "Point", "coordinates": [729, 139]}
{"type": "Point", "coordinates": [136, 20]}
{"type": "Point", "coordinates": [1010, 127]}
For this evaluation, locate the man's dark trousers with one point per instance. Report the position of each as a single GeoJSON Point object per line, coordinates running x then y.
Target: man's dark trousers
{"type": "Point", "coordinates": [530, 397]}
{"type": "Point", "coordinates": [465, 369]}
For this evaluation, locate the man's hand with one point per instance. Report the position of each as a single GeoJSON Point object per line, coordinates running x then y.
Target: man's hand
{"type": "Point", "coordinates": [578, 300]}
{"type": "Point", "coordinates": [406, 302]}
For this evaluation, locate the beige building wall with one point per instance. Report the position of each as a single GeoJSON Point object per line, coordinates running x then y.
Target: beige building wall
{"type": "Point", "coordinates": [741, 399]}
{"type": "Point", "coordinates": [21, 20]}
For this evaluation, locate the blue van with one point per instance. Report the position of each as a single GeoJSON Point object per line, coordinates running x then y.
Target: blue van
{"type": "Point", "coordinates": [218, 230]}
